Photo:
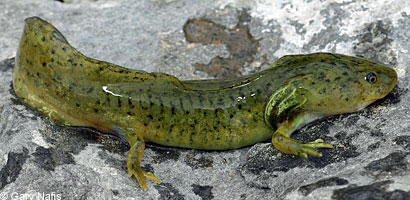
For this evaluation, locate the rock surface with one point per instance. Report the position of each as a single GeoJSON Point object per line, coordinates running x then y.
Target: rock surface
{"type": "Point", "coordinates": [372, 156]}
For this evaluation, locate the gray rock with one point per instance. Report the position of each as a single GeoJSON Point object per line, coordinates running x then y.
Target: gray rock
{"type": "Point", "coordinates": [371, 158]}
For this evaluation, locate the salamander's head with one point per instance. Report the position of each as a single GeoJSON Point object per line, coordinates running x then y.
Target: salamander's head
{"type": "Point", "coordinates": [376, 80]}
{"type": "Point", "coordinates": [342, 84]}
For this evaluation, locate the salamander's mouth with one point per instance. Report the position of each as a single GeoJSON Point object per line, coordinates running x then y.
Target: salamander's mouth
{"type": "Point", "coordinates": [364, 105]}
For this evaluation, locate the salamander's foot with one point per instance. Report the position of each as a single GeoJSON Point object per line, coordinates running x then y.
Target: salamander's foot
{"type": "Point", "coordinates": [135, 171]}
{"type": "Point", "coordinates": [134, 165]}
{"type": "Point", "coordinates": [296, 147]}
{"type": "Point", "coordinates": [308, 148]}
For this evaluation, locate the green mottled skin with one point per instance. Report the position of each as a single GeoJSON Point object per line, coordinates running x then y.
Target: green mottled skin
{"type": "Point", "coordinates": [75, 90]}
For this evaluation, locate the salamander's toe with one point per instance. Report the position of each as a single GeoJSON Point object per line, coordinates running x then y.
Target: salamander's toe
{"type": "Point", "coordinates": [308, 148]}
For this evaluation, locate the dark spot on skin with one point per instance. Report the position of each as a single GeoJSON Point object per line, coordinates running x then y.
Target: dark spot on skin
{"type": "Point", "coordinates": [181, 104]}
{"type": "Point", "coordinates": [220, 101]}
{"type": "Point", "coordinates": [119, 102]}
{"type": "Point", "coordinates": [345, 66]}
{"type": "Point", "coordinates": [268, 86]}
{"type": "Point", "coordinates": [130, 103]}
{"type": "Point", "coordinates": [211, 102]}
{"type": "Point", "coordinates": [201, 99]}
{"type": "Point", "coordinates": [239, 106]}
{"type": "Point", "coordinates": [322, 76]}
{"type": "Point", "coordinates": [72, 86]}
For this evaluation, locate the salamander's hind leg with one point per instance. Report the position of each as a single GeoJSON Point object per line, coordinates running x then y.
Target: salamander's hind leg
{"type": "Point", "coordinates": [134, 164]}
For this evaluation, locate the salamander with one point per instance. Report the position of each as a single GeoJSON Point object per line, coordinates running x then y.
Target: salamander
{"type": "Point", "coordinates": [216, 114]}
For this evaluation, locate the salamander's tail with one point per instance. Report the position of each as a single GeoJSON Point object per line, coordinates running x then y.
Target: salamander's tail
{"type": "Point", "coordinates": [42, 52]}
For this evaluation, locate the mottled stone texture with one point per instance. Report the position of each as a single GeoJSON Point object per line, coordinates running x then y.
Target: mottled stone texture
{"type": "Point", "coordinates": [371, 158]}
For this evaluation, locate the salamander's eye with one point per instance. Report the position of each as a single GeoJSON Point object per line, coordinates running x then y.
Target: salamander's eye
{"type": "Point", "coordinates": [371, 77]}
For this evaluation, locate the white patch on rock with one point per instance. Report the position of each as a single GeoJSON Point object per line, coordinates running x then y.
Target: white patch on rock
{"type": "Point", "coordinates": [38, 139]}
{"type": "Point", "coordinates": [89, 157]}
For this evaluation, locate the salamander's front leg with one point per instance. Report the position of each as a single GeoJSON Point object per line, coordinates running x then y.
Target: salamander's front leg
{"type": "Point", "coordinates": [286, 108]}
{"type": "Point", "coordinates": [296, 147]}
{"type": "Point", "coordinates": [134, 164]}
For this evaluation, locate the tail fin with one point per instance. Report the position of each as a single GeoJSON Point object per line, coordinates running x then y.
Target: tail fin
{"type": "Point", "coordinates": [42, 54]}
{"type": "Point", "coordinates": [40, 45]}
{"type": "Point", "coordinates": [41, 38]}
{"type": "Point", "coordinates": [42, 28]}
